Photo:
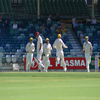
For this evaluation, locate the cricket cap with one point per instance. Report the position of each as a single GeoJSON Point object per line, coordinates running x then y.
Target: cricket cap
{"type": "Point", "coordinates": [47, 39]}
{"type": "Point", "coordinates": [59, 35]}
{"type": "Point", "coordinates": [86, 37]}
{"type": "Point", "coordinates": [37, 33]}
{"type": "Point", "coordinates": [31, 38]}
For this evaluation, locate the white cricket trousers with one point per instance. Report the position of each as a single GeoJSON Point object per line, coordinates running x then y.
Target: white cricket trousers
{"type": "Point", "coordinates": [46, 62]}
{"type": "Point", "coordinates": [39, 56]}
{"type": "Point", "coordinates": [88, 60]}
{"type": "Point", "coordinates": [60, 54]}
{"type": "Point", "coordinates": [29, 59]}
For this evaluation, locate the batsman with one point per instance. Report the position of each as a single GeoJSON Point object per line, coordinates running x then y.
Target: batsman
{"type": "Point", "coordinates": [39, 52]}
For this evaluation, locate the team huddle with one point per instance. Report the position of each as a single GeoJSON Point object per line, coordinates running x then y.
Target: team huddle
{"type": "Point", "coordinates": [46, 48]}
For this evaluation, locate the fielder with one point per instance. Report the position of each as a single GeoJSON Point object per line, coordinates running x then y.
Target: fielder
{"type": "Point", "coordinates": [59, 50]}
{"type": "Point", "coordinates": [47, 52]}
{"type": "Point", "coordinates": [87, 47]}
{"type": "Point", "coordinates": [30, 48]}
{"type": "Point", "coordinates": [39, 51]}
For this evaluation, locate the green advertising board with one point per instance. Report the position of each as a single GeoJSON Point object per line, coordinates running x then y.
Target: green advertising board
{"type": "Point", "coordinates": [99, 62]}
{"type": "Point", "coordinates": [92, 65]}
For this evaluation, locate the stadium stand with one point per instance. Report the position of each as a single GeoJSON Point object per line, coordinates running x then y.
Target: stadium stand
{"type": "Point", "coordinates": [63, 7]}
{"type": "Point", "coordinates": [98, 6]}
{"type": "Point", "coordinates": [98, 3]}
{"type": "Point", "coordinates": [5, 6]}
{"type": "Point", "coordinates": [15, 40]}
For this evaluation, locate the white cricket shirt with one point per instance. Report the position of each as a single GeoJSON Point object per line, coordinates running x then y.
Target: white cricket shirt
{"type": "Point", "coordinates": [58, 44]}
{"type": "Point", "coordinates": [47, 48]}
{"type": "Point", "coordinates": [87, 47]}
{"type": "Point", "coordinates": [30, 47]}
{"type": "Point", "coordinates": [38, 43]}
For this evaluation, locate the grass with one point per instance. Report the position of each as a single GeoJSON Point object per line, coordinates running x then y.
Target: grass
{"type": "Point", "coordinates": [49, 86]}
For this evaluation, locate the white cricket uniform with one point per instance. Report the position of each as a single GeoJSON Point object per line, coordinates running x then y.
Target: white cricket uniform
{"type": "Point", "coordinates": [87, 47]}
{"type": "Point", "coordinates": [47, 52]}
{"type": "Point", "coordinates": [59, 50]}
{"type": "Point", "coordinates": [39, 52]}
{"type": "Point", "coordinates": [29, 57]}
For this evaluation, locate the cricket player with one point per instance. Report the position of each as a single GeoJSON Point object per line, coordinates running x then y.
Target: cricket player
{"type": "Point", "coordinates": [59, 50]}
{"type": "Point", "coordinates": [39, 51]}
{"type": "Point", "coordinates": [47, 52]}
{"type": "Point", "coordinates": [87, 47]}
{"type": "Point", "coordinates": [30, 48]}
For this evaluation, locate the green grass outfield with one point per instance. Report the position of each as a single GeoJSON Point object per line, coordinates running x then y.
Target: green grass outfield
{"type": "Point", "coordinates": [49, 86]}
